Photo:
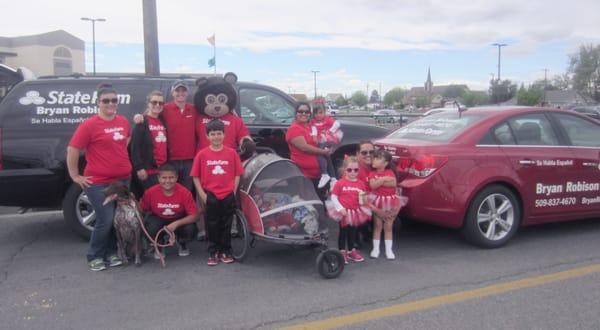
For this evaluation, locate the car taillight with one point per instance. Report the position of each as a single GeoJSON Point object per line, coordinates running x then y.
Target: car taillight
{"type": "Point", "coordinates": [421, 165]}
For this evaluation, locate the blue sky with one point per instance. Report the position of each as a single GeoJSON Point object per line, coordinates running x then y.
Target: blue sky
{"type": "Point", "coordinates": [351, 43]}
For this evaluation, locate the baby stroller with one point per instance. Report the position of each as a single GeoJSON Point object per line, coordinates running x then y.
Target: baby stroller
{"type": "Point", "coordinates": [278, 204]}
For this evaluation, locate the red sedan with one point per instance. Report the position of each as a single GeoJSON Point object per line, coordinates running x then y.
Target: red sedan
{"type": "Point", "coordinates": [489, 171]}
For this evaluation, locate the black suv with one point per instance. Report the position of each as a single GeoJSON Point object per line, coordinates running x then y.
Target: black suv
{"type": "Point", "coordinates": [38, 117]}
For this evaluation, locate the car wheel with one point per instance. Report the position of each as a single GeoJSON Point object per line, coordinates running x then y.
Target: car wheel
{"type": "Point", "coordinates": [493, 217]}
{"type": "Point", "coordinates": [78, 212]}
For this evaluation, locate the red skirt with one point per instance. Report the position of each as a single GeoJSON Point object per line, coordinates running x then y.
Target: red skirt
{"type": "Point", "coordinates": [353, 217]}
{"type": "Point", "coordinates": [388, 203]}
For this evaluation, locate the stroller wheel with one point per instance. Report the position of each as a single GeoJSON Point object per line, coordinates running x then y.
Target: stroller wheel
{"type": "Point", "coordinates": [240, 236]}
{"type": "Point", "coordinates": [330, 263]}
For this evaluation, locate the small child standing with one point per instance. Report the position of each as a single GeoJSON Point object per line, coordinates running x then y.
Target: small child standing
{"type": "Point", "coordinates": [384, 200]}
{"type": "Point", "coordinates": [326, 130]}
{"type": "Point", "coordinates": [216, 173]}
{"type": "Point", "coordinates": [348, 205]}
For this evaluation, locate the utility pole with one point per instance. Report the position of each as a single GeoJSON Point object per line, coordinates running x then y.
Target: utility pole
{"type": "Point", "coordinates": [499, 45]}
{"type": "Point", "coordinates": [150, 38]}
{"type": "Point", "coordinates": [545, 82]}
{"type": "Point", "coordinates": [315, 77]}
{"type": "Point", "coordinates": [380, 94]}
{"type": "Point", "coordinates": [93, 20]}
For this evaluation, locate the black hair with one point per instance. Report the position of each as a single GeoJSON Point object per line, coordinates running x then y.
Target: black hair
{"type": "Point", "coordinates": [299, 104]}
{"type": "Point", "coordinates": [214, 125]}
{"type": "Point", "coordinates": [105, 88]}
{"type": "Point", "coordinates": [363, 142]}
{"type": "Point", "coordinates": [317, 107]}
{"type": "Point", "coordinates": [167, 167]}
{"type": "Point", "coordinates": [387, 156]}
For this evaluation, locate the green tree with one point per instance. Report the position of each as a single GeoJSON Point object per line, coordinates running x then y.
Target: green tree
{"type": "Point", "coordinates": [501, 91]}
{"type": "Point", "coordinates": [341, 101]}
{"type": "Point", "coordinates": [454, 91]}
{"type": "Point", "coordinates": [562, 82]}
{"type": "Point", "coordinates": [530, 96]}
{"type": "Point", "coordinates": [394, 96]}
{"type": "Point", "coordinates": [374, 96]}
{"type": "Point", "coordinates": [474, 98]}
{"type": "Point", "coordinates": [585, 67]}
{"type": "Point", "coordinates": [359, 98]}
{"type": "Point", "coordinates": [422, 101]}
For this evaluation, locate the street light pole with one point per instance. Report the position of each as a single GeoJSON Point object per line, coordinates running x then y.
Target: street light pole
{"type": "Point", "coordinates": [499, 47]}
{"type": "Point", "coordinates": [93, 20]}
{"type": "Point", "coordinates": [315, 75]}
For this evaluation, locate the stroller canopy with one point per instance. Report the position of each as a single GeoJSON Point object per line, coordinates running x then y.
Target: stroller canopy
{"type": "Point", "coordinates": [284, 200]}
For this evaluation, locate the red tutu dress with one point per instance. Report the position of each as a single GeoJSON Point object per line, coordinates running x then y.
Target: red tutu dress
{"type": "Point", "coordinates": [385, 198]}
{"type": "Point", "coordinates": [345, 197]}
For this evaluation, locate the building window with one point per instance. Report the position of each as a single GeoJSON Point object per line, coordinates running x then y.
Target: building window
{"type": "Point", "coordinates": [62, 61]}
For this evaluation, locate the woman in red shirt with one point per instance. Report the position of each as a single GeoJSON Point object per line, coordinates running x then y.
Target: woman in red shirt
{"type": "Point", "coordinates": [104, 137]}
{"type": "Point", "coordinates": [303, 147]}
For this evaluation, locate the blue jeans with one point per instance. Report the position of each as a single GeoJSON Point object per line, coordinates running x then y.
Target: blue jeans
{"type": "Point", "coordinates": [184, 167]}
{"type": "Point", "coordinates": [325, 163]}
{"type": "Point", "coordinates": [103, 242]}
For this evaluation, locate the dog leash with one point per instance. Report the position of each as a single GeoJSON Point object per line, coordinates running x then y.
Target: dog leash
{"type": "Point", "coordinates": [154, 241]}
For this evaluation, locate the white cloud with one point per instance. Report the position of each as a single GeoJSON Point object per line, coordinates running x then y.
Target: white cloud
{"type": "Point", "coordinates": [309, 53]}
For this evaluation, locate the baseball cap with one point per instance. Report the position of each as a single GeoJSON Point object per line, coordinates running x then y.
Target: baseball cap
{"type": "Point", "coordinates": [178, 83]}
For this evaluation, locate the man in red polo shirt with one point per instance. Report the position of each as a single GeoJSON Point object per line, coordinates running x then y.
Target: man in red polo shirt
{"type": "Point", "coordinates": [169, 204]}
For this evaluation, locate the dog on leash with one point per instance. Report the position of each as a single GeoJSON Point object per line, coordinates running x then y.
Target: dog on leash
{"type": "Point", "coordinates": [127, 222]}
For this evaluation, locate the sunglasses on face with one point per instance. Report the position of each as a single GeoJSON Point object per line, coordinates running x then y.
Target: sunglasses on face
{"type": "Point", "coordinates": [303, 112]}
{"type": "Point", "coordinates": [161, 103]}
{"type": "Point", "coordinates": [367, 152]}
{"type": "Point", "coordinates": [350, 170]}
{"type": "Point", "coordinates": [107, 101]}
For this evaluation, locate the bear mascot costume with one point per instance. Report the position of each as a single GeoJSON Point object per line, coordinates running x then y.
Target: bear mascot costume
{"type": "Point", "coordinates": [216, 98]}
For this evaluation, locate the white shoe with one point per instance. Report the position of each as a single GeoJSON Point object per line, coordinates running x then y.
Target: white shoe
{"type": "Point", "coordinates": [374, 254]}
{"type": "Point", "coordinates": [159, 253]}
{"type": "Point", "coordinates": [390, 255]}
{"type": "Point", "coordinates": [183, 251]}
{"type": "Point", "coordinates": [323, 181]}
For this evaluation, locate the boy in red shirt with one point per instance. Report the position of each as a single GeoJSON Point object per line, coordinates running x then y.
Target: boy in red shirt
{"type": "Point", "coordinates": [169, 204]}
{"type": "Point", "coordinates": [216, 173]}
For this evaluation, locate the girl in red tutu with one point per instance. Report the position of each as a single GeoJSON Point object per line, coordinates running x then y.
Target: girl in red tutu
{"type": "Point", "coordinates": [384, 200]}
{"type": "Point", "coordinates": [348, 205]}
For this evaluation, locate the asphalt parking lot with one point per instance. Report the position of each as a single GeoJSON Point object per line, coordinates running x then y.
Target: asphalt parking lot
{"type": "Point", "coordinates": [45, 283]}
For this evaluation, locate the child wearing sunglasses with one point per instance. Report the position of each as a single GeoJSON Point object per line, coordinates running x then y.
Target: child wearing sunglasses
{"type": "Point", "coordinates": [327, 133]}
{"type": "Point", "coordinates": [149, 142]}
{"type": "Point", "coordinates": [384, 200]}
{"type": "Point", "coordinates": [348, 206]}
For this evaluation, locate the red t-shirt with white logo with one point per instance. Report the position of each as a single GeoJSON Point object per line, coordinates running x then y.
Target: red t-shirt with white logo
{"type": "Point", "coordinates": [363, 174]}
{"type": "Point", "coordinates": [217, 170]}
{"type": "Point", "coordinates": [322, 125]}
{"type": "Point", "coordinates": [308, 163]}
{"type": "Point", "coordinates": [383, 191]}
{"type": "Point", "coordinates": [159, 142]}
{"type": "Point", "coordinates": [176, 206]}
{"type": "Point", "coordinates": [347, 192]}
{"type": "Point", "coordinates": [180, 133]}
{"type": "Point", "coordinates": [105, 145]}
{"type": "Point", "coordinates": [235, 129]}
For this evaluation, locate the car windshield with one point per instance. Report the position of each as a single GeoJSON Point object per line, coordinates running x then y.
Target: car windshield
{"type": "Point", "coordinates": [440, 127]}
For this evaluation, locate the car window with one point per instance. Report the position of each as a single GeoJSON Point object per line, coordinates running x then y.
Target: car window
{"type": "Point", "coordinates": [264, 107]}
{"type": "Point", "coordinates": [504, 135]}
{"type": "Point", "coordinates": [439, 127]}
{"type": "Point", "coordinates": [581, 132]}
{"type": "Point", "coordinates": [533, 129]}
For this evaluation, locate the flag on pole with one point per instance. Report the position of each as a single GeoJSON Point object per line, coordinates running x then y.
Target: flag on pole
{"type": "Point", "coordinates": [212, 62]}
{"type": "Point", "coordinates": [211, 39]}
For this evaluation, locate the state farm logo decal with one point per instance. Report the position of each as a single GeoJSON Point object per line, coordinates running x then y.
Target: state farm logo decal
{"type": "Point", "coordinates": [32, 97]}
{"type": "Point", "coordinates": [117, 136]}
{"type": "Point", "coordinates": [160, 137]}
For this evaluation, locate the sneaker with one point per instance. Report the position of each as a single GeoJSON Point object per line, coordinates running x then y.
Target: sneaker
{"type": "Point", "coordinates": [345, 255]}
{"type": "Point", "coordinates": [97, 265]}
{"type": "Point", "coordinates": [201, 236]}
{"type": "Point", "coordinates": [159, 254]}
{"type": "Point", "coordinates": [323, 181]}
{"type": "Point", "coordinates": [355, 256]}
{"type": "Point", "coordinates": [390, 255]}
{"type": "Point", "coordinates": [114, 261]}
{"type": "Point", "coordinates": [374, 254]}
{"type": "Point", "coordinates": [212, 259]}
{"type": "Point", "coordinates": [226, 258]}
{"type": "Point", "coordinates": [183, 251]}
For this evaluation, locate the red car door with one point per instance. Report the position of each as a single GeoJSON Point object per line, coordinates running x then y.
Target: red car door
{"type": "Point", "coordinates": [542, 166]}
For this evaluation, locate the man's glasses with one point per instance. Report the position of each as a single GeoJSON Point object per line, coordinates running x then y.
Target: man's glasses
{"type": "Point", "coordinates": [367, 152]}
{"type": "Point", "coordinates": [350, 170]}
{"type": "Point", "coordinates": [303, 112]}
{"type": "Point", "coordinates": [161, 103]}
{"type": "Point", "coordinates": [107, 101]}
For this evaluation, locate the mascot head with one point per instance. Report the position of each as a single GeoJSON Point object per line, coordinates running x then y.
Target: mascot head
{"type": "Point", "coordinates": [216, 96]}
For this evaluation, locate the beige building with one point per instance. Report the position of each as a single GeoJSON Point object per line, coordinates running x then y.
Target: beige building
{"type": "Point", "coordinates": [52, 53]}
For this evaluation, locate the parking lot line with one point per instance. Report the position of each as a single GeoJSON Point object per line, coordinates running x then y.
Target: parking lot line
{"type": "Point", "coordinates": [457, 297]}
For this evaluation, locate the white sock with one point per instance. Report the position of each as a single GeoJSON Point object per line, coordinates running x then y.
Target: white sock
{"type": "Point", "coordinates": [375, 251]}
{"type": "Point", "coordinates": [388, 249]}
